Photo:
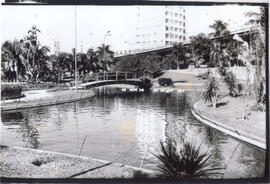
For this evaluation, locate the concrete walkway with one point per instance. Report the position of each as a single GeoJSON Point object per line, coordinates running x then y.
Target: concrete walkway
{"type": "Point", "coordinates": [18, 162]}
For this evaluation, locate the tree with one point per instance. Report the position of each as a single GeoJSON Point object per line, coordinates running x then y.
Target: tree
{"type": "Point", "coordinates": [105, 56]}
{"type": "Point", "coordinates": [143, 64]}
{"type": "Point", "coordinates": [9, 59]}
{"type": "Point", "coordinates": [258, 23]}
{"type": "Point", "coordinates": [221, 38]}
{"type": "Point", "coordinates": [179, 53]}
{"type": "Point", "coordinates": [211, 91]}
{"type": "Point", "coordinates": [201, 47]}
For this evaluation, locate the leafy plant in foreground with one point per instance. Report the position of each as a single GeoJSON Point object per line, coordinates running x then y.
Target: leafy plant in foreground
{"type": "Point", "coordinates": [184, 161]}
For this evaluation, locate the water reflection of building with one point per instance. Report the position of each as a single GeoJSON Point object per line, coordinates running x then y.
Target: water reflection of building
{"type": "Point", "coordinates": [149, 129]}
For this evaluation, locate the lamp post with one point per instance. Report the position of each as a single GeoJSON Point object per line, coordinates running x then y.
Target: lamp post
{"type": "Point", "coordinates": [75, 49]}
{"type": "Point", "coordinates": [106, 34]}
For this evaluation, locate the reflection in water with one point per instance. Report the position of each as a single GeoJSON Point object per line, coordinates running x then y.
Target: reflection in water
{"type": "Point", "coordinates": [121, 127]}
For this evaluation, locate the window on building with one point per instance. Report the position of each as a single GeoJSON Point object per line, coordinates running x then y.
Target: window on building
{"type": "Point", "coordinates": [175, 29]}
{"type": "Point", "coordinates": [176, 14]}
{"type": "Point", "coordinates": [171, 42]}
{"type": "Point", "coordinates": [167, 28]}
{"type": "Point", "coordinates": [167, 35]}
{"type": "Point", "coordinates": [184, 24]}
{"type": "Point", "coordinates": [176, 36]}
{"type": "Point", "coordinates": [171, 35]}
{"type": "Point", "coordinates": [167, 20]}
{"type": "Point", "coordinates": [184, 17]}
{"type": "Point", "coordinates": [180, 22]}
{"type": "Point", "coordinates": [184, 38]}
{"type": "Point", "coordinates": [166, 13]}
{"type": "Point", "coordinates": [180, 30]}
{"type": "Point", "coordinates": [167, 43]}
{"type": "Point", "coordinates": [180, 37]}
{"type": "Point", "coordinates": [176, 22]}
{"type": "Point", "coordinates": [171, 28]}
{"type": "Point", "coordinates": [184, 31]}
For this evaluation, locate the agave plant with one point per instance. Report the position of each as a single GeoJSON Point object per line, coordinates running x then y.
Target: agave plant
{"type": "Point", "coordinates": [230, 80]}
{"type": "Point", "coordinates": [184, 160]}
{"type": "Point", "coordinates": [211, 91]}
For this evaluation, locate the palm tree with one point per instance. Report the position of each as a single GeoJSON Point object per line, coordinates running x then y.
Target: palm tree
{"type": "Point", "coordinates": [105, 56]}
{"type": "Point", "coordinates": [179, 53]}
{"type": "Point", "coordinates": [92, 60]}
{"type": "Point", "coordinates": [258, 23]}
{"type": "Point", "coordinates": [211, 91]}
{"type": "Point", "coordinates": [221, 39]}
{"type": "Point", "coordinates": [42, 59]}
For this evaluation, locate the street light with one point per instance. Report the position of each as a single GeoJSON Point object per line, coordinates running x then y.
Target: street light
{"type": "Point", "coordinates": [106, 34]}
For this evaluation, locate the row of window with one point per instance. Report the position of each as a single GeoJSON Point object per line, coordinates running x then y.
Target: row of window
{"type": "Point", "coordinates": [143, 35]}
{"type": "Point", "coordinates": [174, 14]}
{"type": "Point", "coordinates": [144, 42]}
{"type": "Point", "coordinates": [170, 43]}
{"type": "Point", "coordinates": [175, 22]}
{"type": "Point", "coordinates": [167, 28]}
{"type": "Point", "coordinates": [175, 36]}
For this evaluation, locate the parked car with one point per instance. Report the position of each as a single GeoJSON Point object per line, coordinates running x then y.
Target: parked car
{"type": "Point", "coordinates": [165, 82]}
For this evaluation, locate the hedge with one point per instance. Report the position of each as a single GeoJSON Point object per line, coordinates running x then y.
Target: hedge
{"type": "Point", "coordinates": [11, 91]}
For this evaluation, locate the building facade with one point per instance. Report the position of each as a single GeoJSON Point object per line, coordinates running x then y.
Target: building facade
{"type": "Point", "coordinates": [159, 26]}
{"type": "Point", "coordinates": [154, 26]}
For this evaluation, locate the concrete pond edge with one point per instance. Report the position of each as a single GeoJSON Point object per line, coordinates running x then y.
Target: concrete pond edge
{"type": "Point", "coordinates": [4, 109]}
{"type": "Point", "coordinates": [251, 139]}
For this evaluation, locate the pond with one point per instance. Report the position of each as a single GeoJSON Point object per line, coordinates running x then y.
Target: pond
{"type": "Point", "coordinates": [126, 128]}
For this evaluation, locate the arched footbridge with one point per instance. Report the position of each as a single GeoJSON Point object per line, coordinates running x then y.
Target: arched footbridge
{"type": "Point", "coordinates": [108, 78]}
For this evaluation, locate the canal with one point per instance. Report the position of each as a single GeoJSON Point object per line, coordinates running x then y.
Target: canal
{"type": "Point", "coordinates": [125, 128]}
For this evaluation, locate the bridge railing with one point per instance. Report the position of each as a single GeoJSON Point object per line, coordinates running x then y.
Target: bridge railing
{"type": "Point", "coordinates": [115, 76]}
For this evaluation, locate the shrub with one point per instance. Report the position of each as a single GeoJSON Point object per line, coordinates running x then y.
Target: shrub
{"type": "Point", "coordinates": [205, 75]}
{"type": "Point", "coordinates": [222, 71]}
{"type": "Point", "coordinates": [184, 160]}
{"type": "Point", "coordinates": [165, 82]}
{"type": "Point", "coordinates": [211, 91]}
{"type": "Point", "coordinates": [11, 91]}
{"type": "Point", "coordinates": [230, 80]}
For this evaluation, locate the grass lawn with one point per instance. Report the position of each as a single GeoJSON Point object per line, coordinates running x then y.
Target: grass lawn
{"type": "Point", "coordinates": [231, 111]}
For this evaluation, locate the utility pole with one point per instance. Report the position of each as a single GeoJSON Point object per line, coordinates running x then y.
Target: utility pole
{"type": "Point", "coordinates": [75, 49]}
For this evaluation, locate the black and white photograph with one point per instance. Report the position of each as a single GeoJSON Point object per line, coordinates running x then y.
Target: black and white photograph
{"type": "Point", "coordinates": [139, 91]}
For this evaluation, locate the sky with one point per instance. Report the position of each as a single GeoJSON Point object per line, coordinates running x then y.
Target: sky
{"type": "Point", "coordinates": [93, 22]}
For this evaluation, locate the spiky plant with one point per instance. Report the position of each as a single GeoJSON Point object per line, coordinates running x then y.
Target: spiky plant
{"type": "Point", "coordinates": [211, 91]}
{"type": "Point", "coordinates": [230, 80]}
{"type": "Point", "coordinates": [184, 161]}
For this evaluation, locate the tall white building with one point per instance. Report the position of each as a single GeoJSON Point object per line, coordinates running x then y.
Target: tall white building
{"type": "Point", "coordinates": [159, 26]}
